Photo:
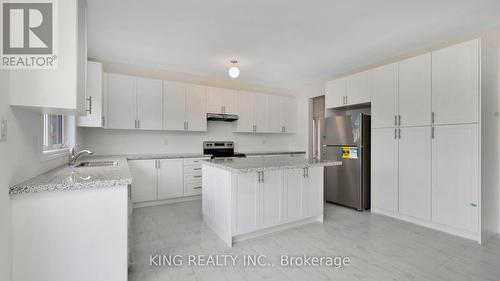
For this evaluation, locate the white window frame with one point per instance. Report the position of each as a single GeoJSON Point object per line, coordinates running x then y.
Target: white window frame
{"type": "Point", "coordinates": [58, 150]}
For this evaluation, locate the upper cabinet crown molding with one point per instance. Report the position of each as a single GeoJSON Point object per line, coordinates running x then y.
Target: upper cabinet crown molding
{"type": "Point", "coordinates": [61, 90]}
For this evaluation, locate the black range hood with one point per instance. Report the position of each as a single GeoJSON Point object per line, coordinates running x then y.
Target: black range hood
{"type": "Point", "coordinates": [221, 117]}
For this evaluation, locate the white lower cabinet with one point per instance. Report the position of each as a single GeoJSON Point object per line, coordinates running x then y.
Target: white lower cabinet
{"type": "Point", "coordinates": [272, 198]}
{"type": "Point", "coordinates": [455, 176]}
{"type": "Point", "coordinates": [293, 194]}
{"type": "Point", "coordinates": [276, 197]}
{"type": "Point", "coordinates": [144, 180]}
{"type": "Point", "coordinates": [165, 179]}
{"type": "Point", "coordinates": [428, 174]}
{"type": "Point", "coordinates": [414, 178]}
{"type": "Point", "coordinates": [384, 173]}
{"type": "Point", "coordinates": [170, 181]}
{"type": "Point", "coordinates": [246, 196]}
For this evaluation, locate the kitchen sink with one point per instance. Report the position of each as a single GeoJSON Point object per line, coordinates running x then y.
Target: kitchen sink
{"type": "Point", "coordinates": [96, 164]}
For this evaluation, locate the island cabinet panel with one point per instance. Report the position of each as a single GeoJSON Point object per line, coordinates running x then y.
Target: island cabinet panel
{"type": "Point", "coordinates": [271, 198]}
{"type": "Point", "coordinates": [314, 191]}
{"type": "Point", "coordinates": [293, 194]}
{"type": "Point", "coordinates": [247, 202]}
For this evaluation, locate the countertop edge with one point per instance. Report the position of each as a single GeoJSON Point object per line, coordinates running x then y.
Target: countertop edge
{"type": "Point", "coordinates": [270, 168]}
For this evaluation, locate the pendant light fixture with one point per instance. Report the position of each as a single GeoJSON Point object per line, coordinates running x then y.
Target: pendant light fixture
{"type": "Point", "coordinates": [234, 71]}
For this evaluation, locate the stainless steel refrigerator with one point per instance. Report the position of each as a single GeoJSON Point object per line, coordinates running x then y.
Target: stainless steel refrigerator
{"type": "Point", "coordinates": [347, 139]}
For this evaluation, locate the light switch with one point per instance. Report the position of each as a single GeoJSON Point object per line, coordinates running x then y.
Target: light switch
{"type": "Point", "coordinates": [3, 129]}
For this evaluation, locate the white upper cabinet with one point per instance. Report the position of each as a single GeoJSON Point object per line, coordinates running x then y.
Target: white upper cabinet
{"type": "Point", "coordinates": [94, 115]}
{"type": "Point", "coordinates": [196, 108]}
{"type": "Point", "coordinates": [133, 102]}
{"type": "Point", "coordinates": [122, 108]}
{"type": "Point", "coordinates": [455, 84]}
{"type": "Point", "coordinates": [385, 96]}
{"type": "Point", "coordinates": [289, 114]}
{"type": "Point", "coordinates": [184, 107]}
{"type": "Point", "coordinates": [351, 90]}
{"type": "Point", "coordinates": [221, 101]}
{"type": "Point", "coordinates": [282, 117]}
{"type": "Point", "coordinates": [149, 104]}
{"type": "Point", "coordinates": [455, 176]}
{"type": "Point", "coordinates": [61, 90]}
{"type": "Point", "coordinates": [174, 100]}
{"type": "Point", "coordinates": [335, 93]}
{"type": "Point", "coordinates": [358, 88]}
{"type": "Point", "coordinates": [415, 91]}
{"type": "Point", "coordinates": [253, 112]}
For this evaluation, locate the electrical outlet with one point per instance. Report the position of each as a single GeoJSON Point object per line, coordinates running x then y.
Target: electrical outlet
{"type": "Point", "coordinates": [3, 129]}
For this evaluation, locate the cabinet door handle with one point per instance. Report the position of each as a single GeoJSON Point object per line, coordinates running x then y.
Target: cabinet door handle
{"type": "Point", "coordinates": [395, 120]}
{"type": "Point", "coordinates": [138, 124]}
{"type": "Point", "coordinates": [89, 100]}
{"type": "Point", "coordinates": [399, 120]}
{"type": "Point", "coordinates": [307, 171]}
{"type": "Point", "coordinates": [258, 176]}
{"type": "Point", "coordinates": [399, 133]}
{"type": "Point", "coordinates": [187, 125]}
{"type": "Point", "coordinates": [346, 100]}
{"type": "Point", "coordinates": [197, 187]}
{"type": "Point", "coordinates": [103, 121]}
{"type": "Point", "coordinates": [432, 132]}
{"type": "Point", "coordinates": [159, 164]}
{"type": "Point", "coordinates": [432, 117]}
{"type": "Point", "coordinates": [262, 175]}
{"type": "Point", "coordinates": [395, 133]}
{"type": "Point", "coordinates": [303, 172]}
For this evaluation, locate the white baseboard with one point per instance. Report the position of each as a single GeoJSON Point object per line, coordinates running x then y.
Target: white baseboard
{"type": "Point", "coordinates": [166, 201]}
{"type": "Point", "coordinates": [429, 224]}
{"type": "Point", "coordinates": [277, 228]}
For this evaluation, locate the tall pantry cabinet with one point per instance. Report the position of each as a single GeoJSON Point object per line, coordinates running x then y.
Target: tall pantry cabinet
{"type": "Point", "coordinates": [434, 140]}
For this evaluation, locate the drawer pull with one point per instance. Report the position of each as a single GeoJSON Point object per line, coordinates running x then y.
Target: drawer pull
{"type": "Point", "coordinates": [197, 187]}
{"type": "Point", "coordinates": [196, 176]}
{"type": "Point", "coordinates": [197, 169]}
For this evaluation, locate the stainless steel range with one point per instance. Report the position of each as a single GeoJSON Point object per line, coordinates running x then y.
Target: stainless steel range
{"type": "Point", "coordinates": [220, 149]}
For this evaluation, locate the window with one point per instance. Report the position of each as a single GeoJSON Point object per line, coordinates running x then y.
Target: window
{"type": "Point", "coordinates": [53, 132]}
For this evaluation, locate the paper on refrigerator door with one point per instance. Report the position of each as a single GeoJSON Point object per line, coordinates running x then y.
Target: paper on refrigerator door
{"type": "Point", "coordinates": [350, 153]}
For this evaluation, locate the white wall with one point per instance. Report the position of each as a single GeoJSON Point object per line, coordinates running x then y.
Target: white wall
{"type": "Point", "coordinates": [499, 135]}
{"type": "Point", "coordinates": [19, 161]}
{"type": "Point", "coordinates": [112, 142]}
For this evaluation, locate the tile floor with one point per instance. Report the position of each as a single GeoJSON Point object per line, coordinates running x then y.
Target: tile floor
{"type": "Point", "coordinates": [380, 248]}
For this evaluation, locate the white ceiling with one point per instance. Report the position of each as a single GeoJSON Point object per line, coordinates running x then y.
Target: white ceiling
{"type": "Point", "coordinates": [280, 43]}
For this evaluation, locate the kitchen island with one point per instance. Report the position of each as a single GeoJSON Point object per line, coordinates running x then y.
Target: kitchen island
{"type": "Point", "coordinates": [247, 197]}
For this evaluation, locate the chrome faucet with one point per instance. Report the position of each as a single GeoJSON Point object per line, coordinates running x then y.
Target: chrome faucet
{"type": "Point", "coordinates": [73, 157]}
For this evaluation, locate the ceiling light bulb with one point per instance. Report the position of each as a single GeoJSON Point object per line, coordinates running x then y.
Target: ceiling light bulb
{"type": "Point", "coordinates": [234, 71]}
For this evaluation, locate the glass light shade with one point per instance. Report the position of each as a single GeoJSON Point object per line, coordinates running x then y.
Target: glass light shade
{"type": "Point", "coordinates": [234, 72]}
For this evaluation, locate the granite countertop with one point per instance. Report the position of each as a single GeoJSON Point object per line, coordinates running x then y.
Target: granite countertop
{"type": "Point", "coordinates": [254, 164]}
{"type": "Point", "coordinates": [72, 178]}
{"type": "Point", "coordinates": [165, 156]}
